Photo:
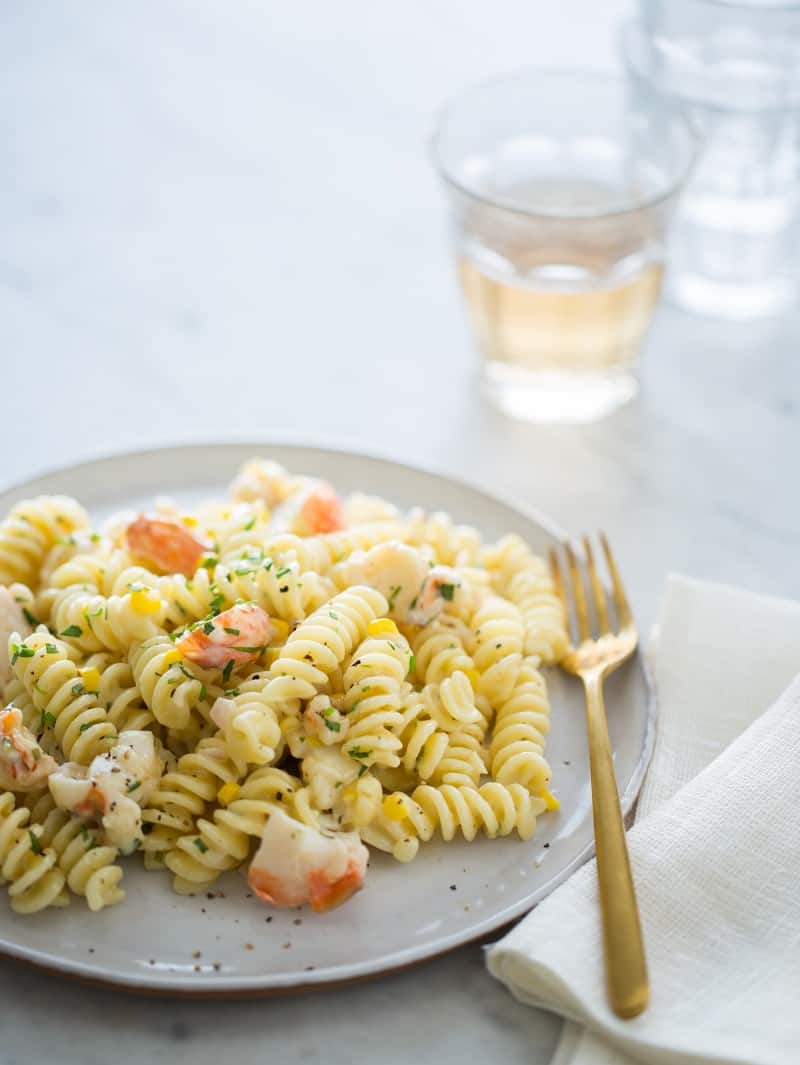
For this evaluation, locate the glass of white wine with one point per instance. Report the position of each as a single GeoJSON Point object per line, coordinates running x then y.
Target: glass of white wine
{"type": "Point", "coordinates": [561, 194]}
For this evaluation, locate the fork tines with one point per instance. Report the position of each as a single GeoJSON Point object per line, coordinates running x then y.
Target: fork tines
{"type": "Point", "coordinates": [578, 583]}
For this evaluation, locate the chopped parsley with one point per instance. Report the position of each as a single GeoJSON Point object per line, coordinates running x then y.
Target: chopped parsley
{"type": "Point", "coordinates": [446, 591]}
{"type": "Point", "coordinates": [72, 630]}
{"type": "Point", "coordinates": [85, 725]}
{"type": "Point", "coordinates": [233, 632]}
{"type": "Point", "coordinates": [356, 752]}
{"type": "Point", "coordinates": [133, 786]}
{"type": "Point", "coordinates": [251, 650]}
{"type": "Point", "coordinates": [20, 651]}
{"type": "Point", "coordinates": [393, 594]}
{"type": "Point", "coordinates": [284, 571]}
{"type": "Point", "coordinates": [334, 726]}
{"type": "Point", "coordinates": [77, 688]}
{"type": "Point", "coordinates": [202, 693]}
{"type": "Point", "coordinates": [51, 649]}
{"type": "Point", "coordinates": [250, 524]}
{"type": "Point", "coordinates": [36, 843]}
{"type": "Point", "coordinates": [333, 614]}
{"type": "Point", "coordinates": [30, 618]}
{"type": "Point", "coordinates": [209, 562]}
{"type": "Point", "coordinates": [201, 846]}
{"type": "Point", "coordinates": [412, 661]}
{"type": "Point", "coordinates": [47, 720]}
{"type": "Point", "coordinates": [226, 673]}
{"type": "Point", "coordinates": [208, 627]}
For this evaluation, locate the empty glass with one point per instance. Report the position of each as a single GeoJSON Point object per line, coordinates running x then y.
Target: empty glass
{"type": "Point", "coordinates": [733, 68]}
{"type": "Point", "coordinates": [560, 199]}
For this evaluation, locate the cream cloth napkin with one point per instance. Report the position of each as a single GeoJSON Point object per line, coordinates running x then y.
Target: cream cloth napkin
{"type": "Point", "coordinates": [715, 853]}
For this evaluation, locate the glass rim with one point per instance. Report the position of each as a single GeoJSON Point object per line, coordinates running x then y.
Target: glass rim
{"type": "Point", "coordinates": [753, 5]}
{"type": "Point", "coordinates": [554, 213]}
{"type": "Point", "coordinates": [631, 31]}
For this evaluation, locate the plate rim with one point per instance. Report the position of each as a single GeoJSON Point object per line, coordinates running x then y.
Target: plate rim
{"type": "Point", "coordinates": [224, 986]}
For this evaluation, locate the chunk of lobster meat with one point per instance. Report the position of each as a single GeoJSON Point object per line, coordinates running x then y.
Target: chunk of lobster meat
{"type": "Point", "coordinates": [239, 635]}
{"type": "Point", "coordinates": [164, 546]}
{"type": "Point", "coordinates": [113, 788]}
{"type": "Point", "coordinates": [295, 864]}
{"type": "Point", "coordinates": [324, 720]}
{"type": "Point", "coordinates": [23, 764]}
{"type": "Point", "coordinates": [442, 586]}
{"type": "Point", "coordinates": [264, 479]}
{"type": "Point", "coordinates": [314, 509]}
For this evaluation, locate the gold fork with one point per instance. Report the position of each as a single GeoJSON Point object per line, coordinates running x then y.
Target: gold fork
{"type": "Point", "coordinates": [593, 660]}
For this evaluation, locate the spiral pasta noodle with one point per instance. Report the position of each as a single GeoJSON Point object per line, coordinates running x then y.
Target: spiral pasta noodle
{"type": "Point", "coordinates": [523, 720]}
{"type": "Point", "coordinates": [30, 531]}
{"type": "Point", "coordinates": [174, 690]}
{"type": "Point", "coordinates": [525, 580]}
{"type": "Point", "coordinates": [80, 725]}
{"type": "Point", "coordinates": [498, 636]}
{"type": "Point", "coordinates": [183, 794]}
{"type": "Point", "coordinates": [372, 699]}
{"type": "Point", "coordinates": [88, 864]}
{"type": "Point", "coordinates": [321, 643]}
{"type": "Point", "coordinates": [26, 865]}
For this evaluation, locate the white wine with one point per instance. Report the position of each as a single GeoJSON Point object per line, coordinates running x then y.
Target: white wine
{"type": "Point", "coordinates": [561, 317]}
{"type": "Point", "coordinates": [559, 305]}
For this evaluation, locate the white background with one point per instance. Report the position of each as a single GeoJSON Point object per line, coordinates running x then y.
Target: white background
{"type": "Point", "coordinates": [219, 221]}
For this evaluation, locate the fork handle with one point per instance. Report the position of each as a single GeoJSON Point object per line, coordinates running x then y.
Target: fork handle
{"type": "Point", "coordinates": [626, 967]}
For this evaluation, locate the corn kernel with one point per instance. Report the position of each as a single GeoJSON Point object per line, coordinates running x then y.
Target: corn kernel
{"type": "Point", "coordinates": [281, 628]}
{"type": "Point", "coordinates": [90, 678]}
{"type": "Point", "coordinates": [145, 601]}
{"type": "Point", "coordinates": [550, 801]}
{"type": "Point", "coordinates": [172, 656]}
{"type": "Point", "coordinates": [394, 808]}
{"type": "Point", "coordinates": [228, 792]}
{"type": "Point", "coordinates": [473, 676]}
{"type": "Point", "coordinates": [190, 520]}
{"type": "Point", "coordinates": [350, 793]}
{"type": "Point", "coordinates": [381, 627]}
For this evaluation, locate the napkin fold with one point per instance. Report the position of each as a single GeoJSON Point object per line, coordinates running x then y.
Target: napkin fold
{"type": "Point", "coordinates": [715, 853]}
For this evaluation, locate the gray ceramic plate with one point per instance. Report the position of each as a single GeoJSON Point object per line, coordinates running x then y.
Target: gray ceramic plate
{"type": "Point", "coordinates": [452, 893]}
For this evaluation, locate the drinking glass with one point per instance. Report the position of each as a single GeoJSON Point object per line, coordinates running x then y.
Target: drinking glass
{"type": "Point", "coordinates": [560, 196]}
{"type": "Point", "coordinates": [733, 69]}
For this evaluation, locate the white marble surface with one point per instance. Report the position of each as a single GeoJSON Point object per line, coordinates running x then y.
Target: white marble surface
{"type": "Point", "coordinates": [218, 221]}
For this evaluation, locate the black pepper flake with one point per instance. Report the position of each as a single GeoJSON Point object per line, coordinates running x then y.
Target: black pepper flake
{"type": "Point", "coordinates": [210, 895]}
{"type": "Point", "coordinates": [452, 887]}
{"type": "Point", "coordinates": [249, 946]}
{"type": "Point", "coordinates": [202, 909]}
{"type": "Point", "coordinates": [197, 954]}
{"type": "Point", "coordinates": [198, 968]}
{"type": "Point", "coordinates": [91, 950]}
{"type": "Point", "coordinates": [297, 920]}
{"type": "Point", "coordinates": [545, 844]}
{"type": "Point", "coordinates": [268, 919]}
{"type": "Point", "coordinates": [217, 966]}
{"type": "Point", "coordinates": [286, 946]}
{"type": "Point", "coordinates": [567, 763]}
{"type": "Point", "coordinates": [152, 961]}
{"type": "Point", "coordinates": [309, 968]}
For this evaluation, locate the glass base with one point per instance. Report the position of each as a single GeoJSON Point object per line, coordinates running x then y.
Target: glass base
{"type": "Point", "coordinates": [734, 302]}
{"type": "Point", "coordinates": [550, 397]}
